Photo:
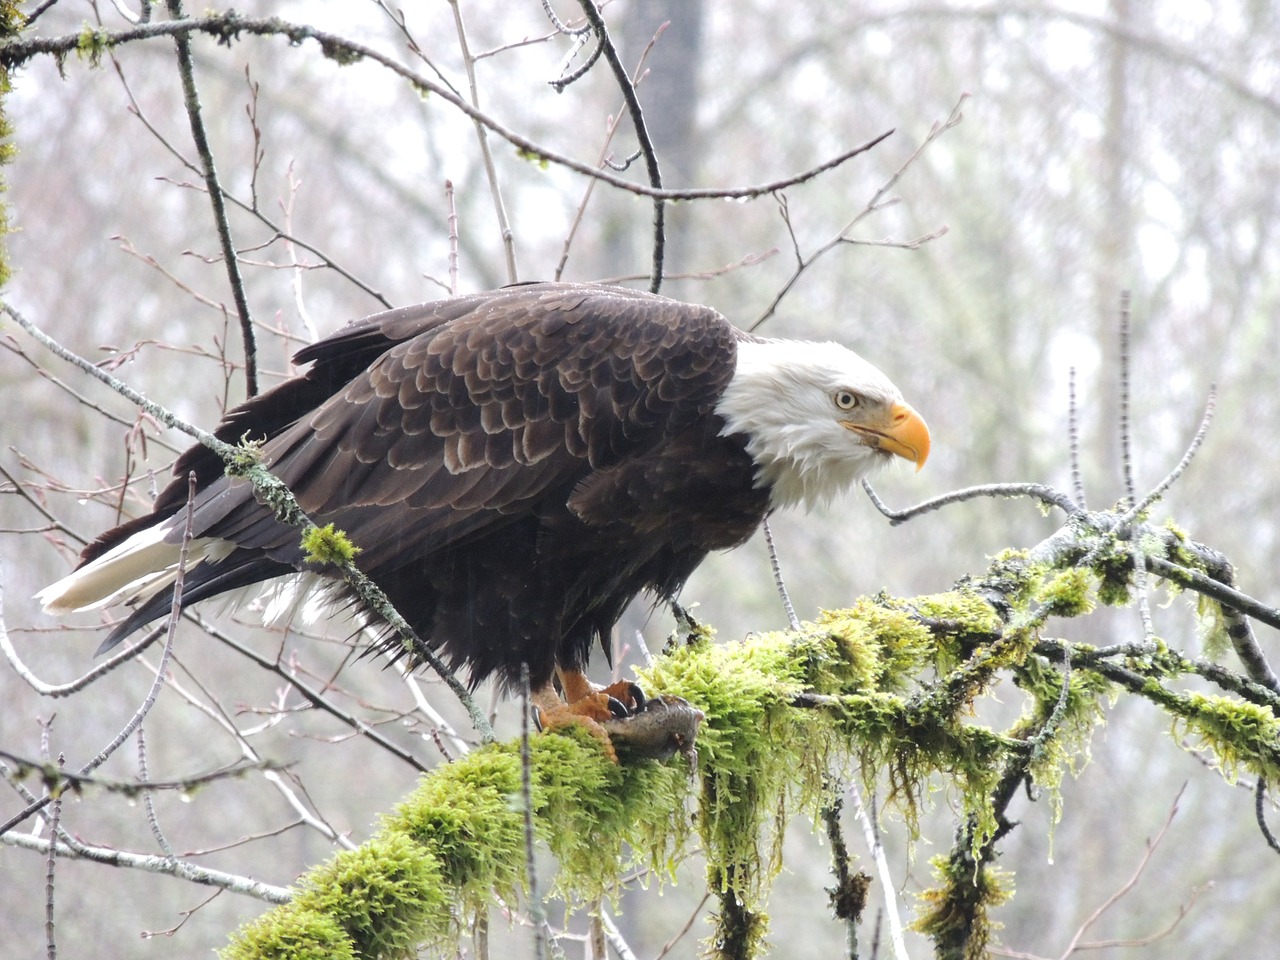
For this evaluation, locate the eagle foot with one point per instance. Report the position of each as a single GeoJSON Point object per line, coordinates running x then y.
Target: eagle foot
{"type": "Point", "coordinates": [623, 719]}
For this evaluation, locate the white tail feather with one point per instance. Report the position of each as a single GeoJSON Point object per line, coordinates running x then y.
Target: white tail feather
{"type": "Point", "coordinates": [132, 571]}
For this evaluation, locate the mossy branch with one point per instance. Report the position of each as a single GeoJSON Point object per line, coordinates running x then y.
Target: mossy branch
{"type": "Point", "coordinates": [888, 686]}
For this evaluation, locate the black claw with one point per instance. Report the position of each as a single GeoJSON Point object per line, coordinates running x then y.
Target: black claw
{"type": "Point", "coordinates": [638, 697]}
{"type": "Point", "coordinates": [618, 709]}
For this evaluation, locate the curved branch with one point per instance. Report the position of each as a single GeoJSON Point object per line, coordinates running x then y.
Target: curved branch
{"type": "Point", "coordinates": [1037, 491]}
{"type": "Point", "coordinates": [226, 27]}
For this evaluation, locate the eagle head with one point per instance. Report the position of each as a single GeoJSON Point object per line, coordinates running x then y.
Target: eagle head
{"type": "Point", "coordinates": [817, 418]}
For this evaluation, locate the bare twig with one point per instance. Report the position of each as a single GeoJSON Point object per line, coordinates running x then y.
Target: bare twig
{"type": "Point", "coordinates": [610, 129]}
{"type": "Point", "coordinates": [1073, 441]}
{"type": "Point", "coordinates": [1036, 491]}
{"type": "Point", "coordinates": [148, 801]}
{"type": "Point", "coordinates": [153, 864]}
{"type": "Point", "coordinates": [878, 202]}
{"type": "Point", "coordinates": [537, 911]}
{"type": "Point", "coordinates": [1129, 884]}
{"type": "Point", "coordinates": [55, 816]}
{"type": "Point", "coordinates": [73, 686]}
{"type": "Point", "coordinates": [1126, 439]}
{"type": "Point", "coordinates": [1260, 814]}
{"type": "Point", "coordinates": [1159, 489]}
{"type": "Point", "coordinates": [642, 135]}
{"type": "Point", "coordinates": [620, 946]}
{"type": "Point", "coordinates": [792, 620]}
{"type": "Point", "coordinates": [887, 886]}
{"type": "Point", "coordinates": [210, 172]}
{"type": "Point", "coordinates": [486, 154]}
{"type": "Point", "coordinates": [1227, 595]}
{"type": "Point", "coordinates": [453, 237]}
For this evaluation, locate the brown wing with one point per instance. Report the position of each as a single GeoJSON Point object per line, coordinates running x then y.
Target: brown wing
{"type": "Point", "coordinates": [494, 401]}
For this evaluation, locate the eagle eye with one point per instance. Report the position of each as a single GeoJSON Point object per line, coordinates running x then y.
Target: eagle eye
{"type": "Point", "coordinates": [846, 399]}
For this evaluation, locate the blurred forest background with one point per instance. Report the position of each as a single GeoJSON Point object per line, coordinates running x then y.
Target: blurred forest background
{"type": "Point", "coordinates": [1105, 146]}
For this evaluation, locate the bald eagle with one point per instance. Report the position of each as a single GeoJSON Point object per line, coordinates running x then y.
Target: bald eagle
{"type": "Point", "coordinates": [516, 466]}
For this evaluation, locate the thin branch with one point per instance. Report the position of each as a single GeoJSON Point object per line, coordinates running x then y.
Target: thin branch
{"type": "Point", "coordinates": [1073, 441]}
{"type": "Point", "coordinates": [153, 864]}
{"type": "Point", "coordinates": [610, 129]}
{"type": "Point", "coordinates": [792, 620]}
{"type": "Point", "coordinates": [1201, 583]}
{"type": "Point", "coordinates": [486, 155]}
{"type": "Point", "coordinates": [1036, 491]}
{"type": "Point", "coordinates": [1260, 814]}
{"type": "Point", "coordinates": [620, 946]}
{"type": "Point", "coordinates": [453, 237]}
{"type": "Point", "coordinates": [1159, 489]}
{"type": "Point", "coordinates": [642, 135]}
{"type": "Point", "coordinates": [877, 202]}
{"type": "Point", "coordinates": [55, 816]}
{"type": "Point", "coordinates": [1112, 900]}
{"type": "Point", "coordinates": [887, 886]}
{"type": "Point", "coordinates": [73, 686]}
{"type": "Point", "coordinates": [59, 781]}
{"type": "Point", "coordinates": [1126, 439]}
{"type": "Point", "coordinates": [537, 911]}
{"type": "Point", "coordinates": [314, 697]}
{"type": "Point", "coordinates": [191, 97]}
{"type": "Point", "coordinates": [148, 801]}
{"type": "Point", "coordinates": [228, 26]}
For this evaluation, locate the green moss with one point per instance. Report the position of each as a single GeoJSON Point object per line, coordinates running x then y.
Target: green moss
{"type": "Point", "coordinates": [247, 456]}
{"type": "Point", "coordinates": [468, 814]}
{"type": "Point", "coordinates": [91, 44]}
{"type": "Point", "coordinates": [1066, 593]}
{"type": "Point", "coordinates": [753, 746]}
{"type": "Point", "coordinates": [386, 895]}
{"type": "Point", "coordinates": [1240, 734]}
{"type": "Point", "coordinates": [955, 914]}
{"type": "Point", "coordinates": [340, 53]}
{"type": "Point", "coordinates": [879, 647]}
{"type": "Point", "coordinates": [533, 156]}
{"type": "Point", "coordinates": [1214, 638]}
{"type": "Point", "coordinates": [1061, 728]}
{"type": "Point", "coordinates": [328, 545]}
{"type": "Point", "coordinates": [290, 933]}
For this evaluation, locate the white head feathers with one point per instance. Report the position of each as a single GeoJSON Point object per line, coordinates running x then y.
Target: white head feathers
{"type": "Point", "coordinates": [783, 397]}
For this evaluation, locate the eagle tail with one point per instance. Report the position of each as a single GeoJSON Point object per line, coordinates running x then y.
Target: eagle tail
{"type": "Point", "coordinates": [131, 571]}
{"type": "Point", "coordinates": [141, 571]}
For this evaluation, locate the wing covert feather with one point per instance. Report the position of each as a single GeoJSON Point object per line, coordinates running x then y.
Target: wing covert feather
{"type": "Point", "coordinates": [516, 393]}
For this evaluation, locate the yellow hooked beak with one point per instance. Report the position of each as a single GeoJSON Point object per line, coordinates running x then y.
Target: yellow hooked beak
{"type": "Point", "coordinates": [903, 433]}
